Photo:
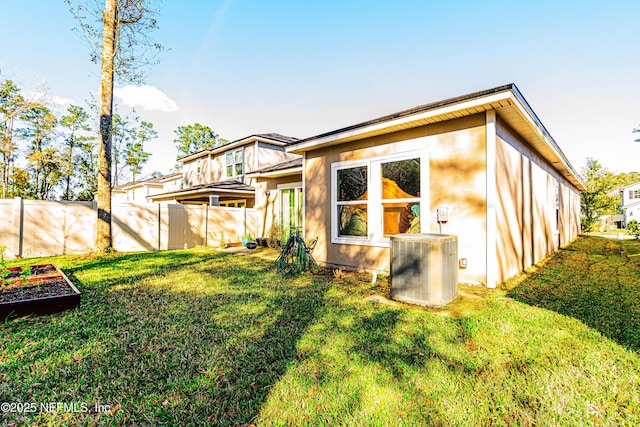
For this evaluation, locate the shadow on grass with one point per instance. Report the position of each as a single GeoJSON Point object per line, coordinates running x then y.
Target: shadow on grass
{"type": "Point", "coordinates": [179, 338]}
{"type": "Point", "coordinates": [595, 280]}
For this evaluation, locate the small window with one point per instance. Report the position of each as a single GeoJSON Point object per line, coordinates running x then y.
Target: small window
{"type": "Point", "coordinates": [233, 203]}
{"type": "Point", "coordinates": [199, 166]}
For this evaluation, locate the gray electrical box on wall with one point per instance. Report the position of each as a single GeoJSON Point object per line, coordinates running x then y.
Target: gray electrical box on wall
{"type": "Point", "coordinates": [424, 268]}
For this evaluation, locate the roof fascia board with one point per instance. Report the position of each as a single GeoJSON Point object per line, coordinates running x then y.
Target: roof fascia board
{"type": "Point", "coordinates": [337, 138]}
{"type": "Point", "coordinates": [199, 191]}
{"type": "Point", "coordinates": [276, 174]}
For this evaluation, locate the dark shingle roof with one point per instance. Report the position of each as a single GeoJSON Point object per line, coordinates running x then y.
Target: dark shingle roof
{"type": "Point", "coordinates": [228, 185]}
{"type": "Point", "coordinates": [289, 164]}
{"type": "Point", "coordinates": [147, 181]}
{"type": "Point", "coordinates": [272, 136]}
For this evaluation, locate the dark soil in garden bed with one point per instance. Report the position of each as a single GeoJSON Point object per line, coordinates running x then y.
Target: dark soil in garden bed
{"type": "Point", "coordinates": [38, 289]}
{"type": "Point", "coordinates": [19, 291]}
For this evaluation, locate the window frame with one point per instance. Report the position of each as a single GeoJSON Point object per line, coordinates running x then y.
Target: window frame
{"type": "Point", "coordinates": [234, 163]}
{"type": "Point", "coordinates": [555, 206]}
{"type": "Point", "coordinates": [234, 202]}
{"type": "Point", "coordinates": [375, 201]}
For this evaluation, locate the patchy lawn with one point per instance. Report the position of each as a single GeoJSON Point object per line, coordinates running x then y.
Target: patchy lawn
{"type": "Point", "coordinates": [597, 281]}
{"type": "Point", "coordinates": [199, 337]}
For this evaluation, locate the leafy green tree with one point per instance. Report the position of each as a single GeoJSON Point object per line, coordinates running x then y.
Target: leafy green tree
{"type": "Point", "coordinates": [87, 169]}
{"type": "Point", "coordinates": [194, 138]}
{"type": "Point", "coordinates": [21, 183]}
{"type": "Point", "coordinates": [633, 228]}
{"type": "Point", "coordinates": [135, 156]}
{"type": "Point", "coordinates": [122, 131]}
{"type": "Point", "coordinates": [77, 128]}
{"type": "Point", "coordinates": [600, 195]}
{"type": "Point", "coordinates": [11, 103]}
{"type": "Point", "coordinates": [40, 124]}
{"type": "Point", "coordinates": [51, 163]}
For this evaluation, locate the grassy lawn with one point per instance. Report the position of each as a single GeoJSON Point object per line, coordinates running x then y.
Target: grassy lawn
{"type": "Point", "coordinates": [198, 337]}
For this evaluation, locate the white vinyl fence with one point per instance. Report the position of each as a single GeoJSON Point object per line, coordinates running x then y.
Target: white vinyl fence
{"type": "Point", "coordinates": [33, 228]}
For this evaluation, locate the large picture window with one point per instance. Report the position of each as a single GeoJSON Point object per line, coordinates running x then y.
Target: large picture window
{"type": "Point", "coordinates": [234, 161]}
{"type": "Point", "coordinates": [375, 198]}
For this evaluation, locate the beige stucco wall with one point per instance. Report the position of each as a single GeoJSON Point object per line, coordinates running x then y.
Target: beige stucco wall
{"type": "Point", "coordinates": [526, 208]}
{"type": "Point", "coordinates": [268, 207]}
{"type": "Point", "coordinates": [269, 155]}
{"type": "Point", "coordinates": [213, 167]}
{"type": "Point", "coordinates": [457, 176]}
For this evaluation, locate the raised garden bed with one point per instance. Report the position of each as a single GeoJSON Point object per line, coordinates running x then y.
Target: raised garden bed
{"type": "Point", "coordinates": [46, 290]}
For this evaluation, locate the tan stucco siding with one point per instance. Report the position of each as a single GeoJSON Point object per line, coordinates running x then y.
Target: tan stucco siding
{"type": "Point", "coordinates": [458, 181]}
{"type": "Point", "coordinates": [191, 175]}
{"type": "Point", "coordinates": [457, 177]}
{"type": "Point", "coordinates": [269, 155]}
{"type": "Point", "coordinates": [250, 159]}
{"type": "Point", "coordinates": [526, 213]}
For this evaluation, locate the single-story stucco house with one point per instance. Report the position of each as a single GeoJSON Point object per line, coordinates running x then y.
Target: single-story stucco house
{"type": "Point", "coordinates": [511, 195]}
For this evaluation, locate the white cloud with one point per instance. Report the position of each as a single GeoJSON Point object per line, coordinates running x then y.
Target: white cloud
{"type": "Point", "coordinates": [64, 102]}
{"type": "Point", "coordinates": [149, 98]}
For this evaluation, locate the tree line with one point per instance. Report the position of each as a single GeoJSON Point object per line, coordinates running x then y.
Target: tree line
{"type": "Point", "coordinates": [602, 195]}
{"type": "Point", "coordinates": [53, 156]}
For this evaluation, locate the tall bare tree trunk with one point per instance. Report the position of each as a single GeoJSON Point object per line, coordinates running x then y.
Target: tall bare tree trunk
{"type": "Point", "coordinates": [104, 240]}
{"type": "Point", "coordinates": [67, 191]}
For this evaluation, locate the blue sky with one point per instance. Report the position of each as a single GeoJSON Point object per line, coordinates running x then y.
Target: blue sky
{"type": "Point", "coordinates": [302, 67]}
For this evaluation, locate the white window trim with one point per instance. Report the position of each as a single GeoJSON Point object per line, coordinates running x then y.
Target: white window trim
{"type": "Point", "coordinates": [233, 165]}
{"type": "Point", "coordinates": [556, 207]}
{"type": "Point", "coordinates": [289, 185]}
{"type": "Point", "coordinates": [374, 202]}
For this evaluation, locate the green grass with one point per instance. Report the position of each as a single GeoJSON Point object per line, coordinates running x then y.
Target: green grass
{"type": "Point", "coordinates": [197, 337]}
{"type": "Point", "coordinates": [595, 280]}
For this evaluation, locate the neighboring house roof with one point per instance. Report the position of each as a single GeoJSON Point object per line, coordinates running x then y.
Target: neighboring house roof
{"type": "Point", "coordinates": [234, 187]}
{"type": "Point", "coordinates": [507, 101]}
{"type": "Point", "coordinates": [270, 138]}
{"type": "Point", "coordinates": [635, 184]}
{"type": "Point", "coordinates": [289, 167]}
{"type": "Point", "coordinates": [158, 181]}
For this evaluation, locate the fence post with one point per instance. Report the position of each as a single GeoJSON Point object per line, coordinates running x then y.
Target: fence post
{"type": "Point", "coordinates": [245, 220]}
{"type": "Point", "coordinates": [206, 225]}
{"type": "Point", "coordinates": [159, 223]}
{"type": "Point", "coordinates": [19, 210]}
